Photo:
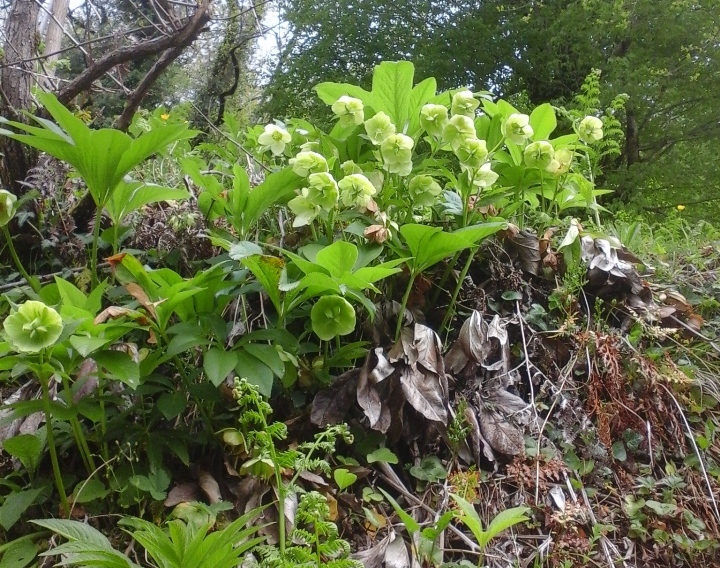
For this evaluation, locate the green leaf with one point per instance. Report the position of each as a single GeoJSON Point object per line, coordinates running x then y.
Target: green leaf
{"type": "Point", "coordinates": [70, 294]}
{"type": "Point", "coordinates": [662, 509]}
{"type": "Point", "coordinates": [172, 404]}
{"type": "Point", "coordinates": [267, 270]}
{"type": "Point", "coordinates": [543, 121]}
{"type": "Point", "coordinates": [268, 355]}
{"type": "Point", "coordinates": [76, 531]}
{"type": "Point", "coordinates": [89, 490]}
{"type": "Point", "coordinates": [15, 505]}
{"type": "Point", "coordinates": [618, 451]}
{"type": "Point", "coordinates": [19, 554]}
{"type": "Point", "coordinates": [338, 258]}
{"type": "Point", "coordinates": [504, 520]}
{"type": "Point", "coordinates": [86, 345]}
{"type": "Point", "coordinates": [411, 525]}
{"type": "Point", "coordinates": [469, 517]}
{"type": "Point", "coordinates": [344, 478]}
{"type": "Point", "coordinates": [392, 87]}
{"type": "Point", "coordinates": [120, 366]}
{"type": "Point", "coordinates": [277, 189]}
{"type": "Point", "coordinates": [430, 245]}
{"type": "Point", "coordinates": [129, 197]}
{"type": "Point", "coordinates": [382, 455]}
{"type": "Point", "coordinates": [28, 448]}
{"type": "Point", "coordinates": [255, 371]}
{"type": "Point", "coordinates": [329, 93]}
{"type": "Point", "coordinates": [218, 364]}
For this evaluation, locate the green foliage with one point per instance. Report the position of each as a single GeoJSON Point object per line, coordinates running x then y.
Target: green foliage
{"type": "Point", "coordinates": [182, 545]}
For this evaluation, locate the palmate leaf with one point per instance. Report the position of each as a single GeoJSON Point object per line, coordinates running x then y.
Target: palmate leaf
{"type": "Point", "coordinates": [102, 157]}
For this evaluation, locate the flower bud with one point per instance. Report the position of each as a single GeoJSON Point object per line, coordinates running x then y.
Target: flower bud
{"type": "Point", "coordinates": [423, 190]}
{"type": "Point", "coordinates": [350, 110]}
{"type": "Point", "coordinates": [517, 128]}
{"type": "Point", "coordinates": [7, 207]}
{"type": "Point", "coordinates": [306, 163]}
{"type": "Point", "coordinates": [539, 154]}
{"type": "Point", "coordinates": [379, 127]}
{"type": "Point", "coordinates": [274, 138]}
{"type": "Point", "coordinates": [590, 129]}
{"type": "Point", "coordinates": [433, 119]}
{"type": "Point", "coordinates": [464, 103]}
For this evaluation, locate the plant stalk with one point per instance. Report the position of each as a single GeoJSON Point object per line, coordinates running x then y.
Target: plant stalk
{"type": "Point", "coordinates": [19, 265]}
{"type": "Point", "coordinates": [94, 251]}
{"type": "Point", "coordinates": [44, 382]}
{"type": "Point", "coordinates": [456, 291]}
{"type": "Point", "coordinates": [403, 305]}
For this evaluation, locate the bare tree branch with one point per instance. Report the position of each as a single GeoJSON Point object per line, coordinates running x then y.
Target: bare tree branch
{"type": "Point", "coordinates": [128, 53]}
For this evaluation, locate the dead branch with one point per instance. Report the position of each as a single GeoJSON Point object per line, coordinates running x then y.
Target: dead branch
{"type": "Point", "coordinates": [186, 34]}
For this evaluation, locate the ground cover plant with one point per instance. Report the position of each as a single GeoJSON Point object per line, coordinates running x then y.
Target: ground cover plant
{"type": "Point", "coordinates": [416, 339]}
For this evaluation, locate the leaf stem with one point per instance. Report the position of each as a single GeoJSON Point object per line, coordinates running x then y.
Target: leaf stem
{"type": "Point", "coordinates": [458, 287]}
{"type": "Point", "coordinates": [44, 382]}
{"type": "Point", "coordinates": [19, 265]}
{"type": "Point", "coordinates": [94, 251]}
{"type": "Point", "coordinates": [403, 305]}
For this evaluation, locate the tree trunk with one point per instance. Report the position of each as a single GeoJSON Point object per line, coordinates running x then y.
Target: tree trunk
{"type": "Point", "coordinates": [54, 34]}
{"type": "Point", "coordinates": [632, 141]}
{"type": "Point", "coordinates": [15, 82]}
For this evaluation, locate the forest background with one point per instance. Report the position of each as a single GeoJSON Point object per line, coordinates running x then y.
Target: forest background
{"type": "Point", "coordinates": [263, 59]}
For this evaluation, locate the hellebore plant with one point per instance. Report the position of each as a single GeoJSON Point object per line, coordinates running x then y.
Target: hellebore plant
{"type": "Point", "coordinates": [102, 157]}
{"type": "Point", "coordinates": [32, 328]}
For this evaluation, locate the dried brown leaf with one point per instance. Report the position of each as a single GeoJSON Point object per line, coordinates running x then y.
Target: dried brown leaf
{"type": "Point", "coordinates": [502, 436]}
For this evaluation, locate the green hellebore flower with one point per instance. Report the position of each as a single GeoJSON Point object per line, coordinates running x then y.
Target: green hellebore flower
{"type": "Point", "coordinates": [323, 190]}
{"type": "Point", "coordinates": [349, 167]}
{"type": "Point", "coordinates": [7, 207]}
{"type": "Point", "coordinates": [379, 127]}
{"type": "Point", "coordinates": [397, 154]}
{"type": "Point", "coordinates": [350, 110]}
{"type": "Point", "coordinates": [423, 190]}
{"type": "Point", "coordinates": [458, 128]}
{"type": "Point", "coordinates": [275, 139]}
{"type": "Point", "coordinates": [433, 119]}
{"type": "Point", "coordinates": [306, 163]}
{"type": "Point", "coordinates": [33, 327]}
{"type": "Point", "coordinates": [332, 316]}
{"type": "Point", "coordinates": [517, 128]}
{"type": "Point", "coordinates": [561, 163]}
{"type": "Point", "coordinates": [590, 129]}
{"type": "Point", "coordinates": [484, 176]}
{"type": "Point", "coordinates": [539, 154]}
{"type": "Point", "coordinates": [464, 103]}
{"type": "Point", "coordinates": [304, 208]}
{"type": "Point", "coordinates": [356, 191]}
{"type": "Point", "coordinates": [471, 152]}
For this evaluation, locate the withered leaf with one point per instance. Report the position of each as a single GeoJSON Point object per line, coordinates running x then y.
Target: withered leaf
{"type": "Point", "coordinates": [183, 493]}
{"type": "Point", "coordinates": [424, 393]}
{"type": "Point", "coordinates": [527, 247]}
{"type": "Point", "coordinates": [330, 405]}
{"type": "Point", "coordinates": [429, 350]}
{"type": "Point", "coordinates": [502, 436]}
